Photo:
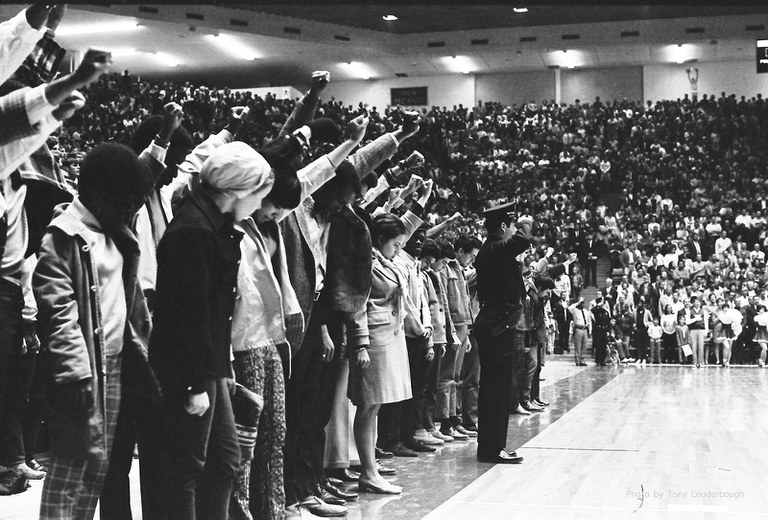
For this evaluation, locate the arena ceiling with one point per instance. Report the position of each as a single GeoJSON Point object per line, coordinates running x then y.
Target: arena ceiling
{"type": "Point", "coordinates": [280, 44]}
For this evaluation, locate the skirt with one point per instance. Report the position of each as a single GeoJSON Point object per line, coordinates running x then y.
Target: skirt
{"type": "Point", "coordinates": [761, 334]}
{"type": "Point", "coordinates": [387, 379]}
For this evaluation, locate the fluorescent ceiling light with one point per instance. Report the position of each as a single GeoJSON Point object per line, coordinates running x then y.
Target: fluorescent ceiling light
{"type": "Point", "coordinates": [520, 10]}
{"type": "Point", "coordinates": [167, 59]}
{"type": "Point", "coordinates": [359, 70]}
{"type": "Point", "coordinates": [390, 17]}
{"type": "Point", "coordinates": [462, 64]}
{"type": "Point", "coordinates": [122, 52]}
{"type": "Point", "coordinates": [680, 53]}
{"type": "Point", "coordinates": [568, 59]}
{"type": "Point", "coordinates": [98, 27]}
{"type": "Point", "coordinates": [233, 46]}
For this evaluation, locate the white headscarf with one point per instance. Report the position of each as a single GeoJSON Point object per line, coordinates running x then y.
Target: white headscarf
{"type": "Point", "coordinates": [238, 169]}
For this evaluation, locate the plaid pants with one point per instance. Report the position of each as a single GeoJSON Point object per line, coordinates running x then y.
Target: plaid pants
{"type": "Point", "coordinates": [72, 488]}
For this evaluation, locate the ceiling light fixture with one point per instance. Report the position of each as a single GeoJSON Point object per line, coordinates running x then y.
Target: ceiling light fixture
{"type": "Point", "coordinates": [520, 10]}
{"type": "Point", "coordinates": [390, 18]}
{"type": "Point", "coordinates": [233, 46]}
{"type": "Point", "coordinates": [359, 70]}
{"type": "Point", "coordinates": [167, 59]}
{"type": "Point", "coordinates": [96, 28]}
{"type": "Point", "coordinates": [462, 64]}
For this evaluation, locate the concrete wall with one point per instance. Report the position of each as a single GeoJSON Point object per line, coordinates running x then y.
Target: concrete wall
{"type": "Point", "coordinates": [441, 90]}
{"type": "Point", "coordinates": [671, 81]}
{"type": "Point", "coordinates": [515, 87]}
{"type": "Point", "coordinates": [608, 84]}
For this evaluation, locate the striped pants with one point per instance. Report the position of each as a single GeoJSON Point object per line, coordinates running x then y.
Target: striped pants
{"type": "Point", "coordinates": [72, 488]}
{"type": "Point", "coordinates": [258, 491]}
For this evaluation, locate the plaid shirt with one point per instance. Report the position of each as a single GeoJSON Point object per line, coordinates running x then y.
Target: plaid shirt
{"type": "Point", "coordinates": [13, 116]}
{"type": "Point", "coordinates": [41, 65]}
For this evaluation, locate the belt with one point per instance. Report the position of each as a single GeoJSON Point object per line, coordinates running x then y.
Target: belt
{"type": "Point", "coordinates": [580, 327]}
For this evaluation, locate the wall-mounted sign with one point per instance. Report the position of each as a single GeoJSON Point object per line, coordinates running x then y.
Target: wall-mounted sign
{"type": "Point", "coordinates": [409, 96]}
{"type": "Point", "coordinates": [762, 56]}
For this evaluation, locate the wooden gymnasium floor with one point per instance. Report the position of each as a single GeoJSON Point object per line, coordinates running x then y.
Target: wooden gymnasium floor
{"type": "Point", "coordinates": [619, 442]}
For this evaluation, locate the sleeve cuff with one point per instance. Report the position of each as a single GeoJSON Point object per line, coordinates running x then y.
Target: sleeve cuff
{"type": "Point", "coordinates": [36, 104]}
{"type": "Point", "coordinates": [158, 152]}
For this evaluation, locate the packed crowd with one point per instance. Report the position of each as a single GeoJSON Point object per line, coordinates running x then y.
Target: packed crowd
{"type": "Point", "coordinates": [215, 277]}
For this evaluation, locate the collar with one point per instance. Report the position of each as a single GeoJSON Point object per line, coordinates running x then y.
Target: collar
{"type": "Point", "coordinates": [203, 200]}
{"type": "Point", "coordinates": [81, 213]}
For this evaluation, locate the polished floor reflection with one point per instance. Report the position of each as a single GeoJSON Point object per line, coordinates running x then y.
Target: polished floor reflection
{"type": "Point", "coordinates": [656, 442]}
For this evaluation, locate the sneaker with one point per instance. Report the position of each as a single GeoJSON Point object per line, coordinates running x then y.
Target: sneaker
{"type": "Point", "coordinates": [464, 431]}
{"type": "Point", "coordinates": [644, 362]}
{"type": "Point", "coordinates": [437, 434]}
{"type": "Point", "coordinates": [630, 360]}
{"type": "Point", "coordinates": [424, 437]}
{"type": "Point", "coordinates": [456, 435]}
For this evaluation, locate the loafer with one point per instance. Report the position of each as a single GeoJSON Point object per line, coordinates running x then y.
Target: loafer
{"type": "Point", "coordinates": [36, 466]}
{"type": "Point", "coordinates": [456, 435]}
{"type": "Point", "coordinates": [385, 471]}
{"type": "Point", "coordinates": [389, 489]}
{"type": "Point", "coordinates": [29, 473]}
{"type": "Point", "coordinates": [329, 498]}
{"type": "Point", "coordinates": [383, 454]}
{"type": "Point", "coordinates": [503, 457]}
{"type": "Point", "coordinates": [521, 411]}
{"type": "Point", "coordinates": [437, 434]}
{"type": "Point", "coordinates": [529, 406]}
{"type": "Point", "coordinates": [401, 450]}
{"type": "Point", "coordinates": [418, 446]}
{"type": "Point", "coordinates": [424, 437]}
{"type": "Point", "coordinates": [318, 507]}
{"type": "Point", "coordinates": [343, 474]}
{"type": "Point", "coordinates": [464, 431]}
{"type": "Point", "coordinates": [339, 493]}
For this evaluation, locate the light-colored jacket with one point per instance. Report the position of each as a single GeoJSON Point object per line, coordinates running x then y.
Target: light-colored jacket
{"type": "Point", "coordinates": [265, 299]}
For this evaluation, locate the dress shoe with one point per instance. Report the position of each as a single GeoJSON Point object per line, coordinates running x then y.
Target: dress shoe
{"type": "Point", "coordinates": [339, 493]}
{"type": "Point", "coordinates": [424, 437]}
{"type": "Point", "coordinates": [388, 489]}
{"type": "Point", "coordinates": [29, 473]}
{"type": "Point", "coordinates": [329, 498]}
{"type": "Point", "coordinates": [520, 411]}
{"type": "Point", "coordinates": [383, 454]}
{"type": "Point", "coordinates": [385, 471]}
{"type": "Point", "coordinates": [437, 434]}
{"type": "Point", "coordinates": [319, 508]}
{"type": "Point", "coordinates": [503, 457]}
{"type": "Point", "coordinates": [418, 446]}
{"type": "Point", "coordinates": [401, 450]}
{"type": "Point", "coordinates": [470, 426]}
{"type": "Point", "coordinates": [453, 433]}
{"type": "Point", "coordinates": [529, 406]}
{"type": "Point", "coordinates": [36, 466]}
{"type": "Point", "coordinates": [539, 402]}
{"type": "Point", "coordinates": [464, 431]}
{"type": "Point", "coordinates": [343, 474]}
{"type": "Point", "coordinates": [582, 364]}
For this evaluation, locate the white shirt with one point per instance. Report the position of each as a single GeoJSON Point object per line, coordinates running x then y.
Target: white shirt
{"type": "Point", "coordinates": [17, 41]}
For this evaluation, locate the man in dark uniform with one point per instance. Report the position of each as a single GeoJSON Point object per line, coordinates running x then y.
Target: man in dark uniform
{"type": "Point", "coordinates": [499, 290]}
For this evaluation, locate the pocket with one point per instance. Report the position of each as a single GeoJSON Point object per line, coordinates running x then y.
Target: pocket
{"type": "Point", "coordinates": [379, 318]}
